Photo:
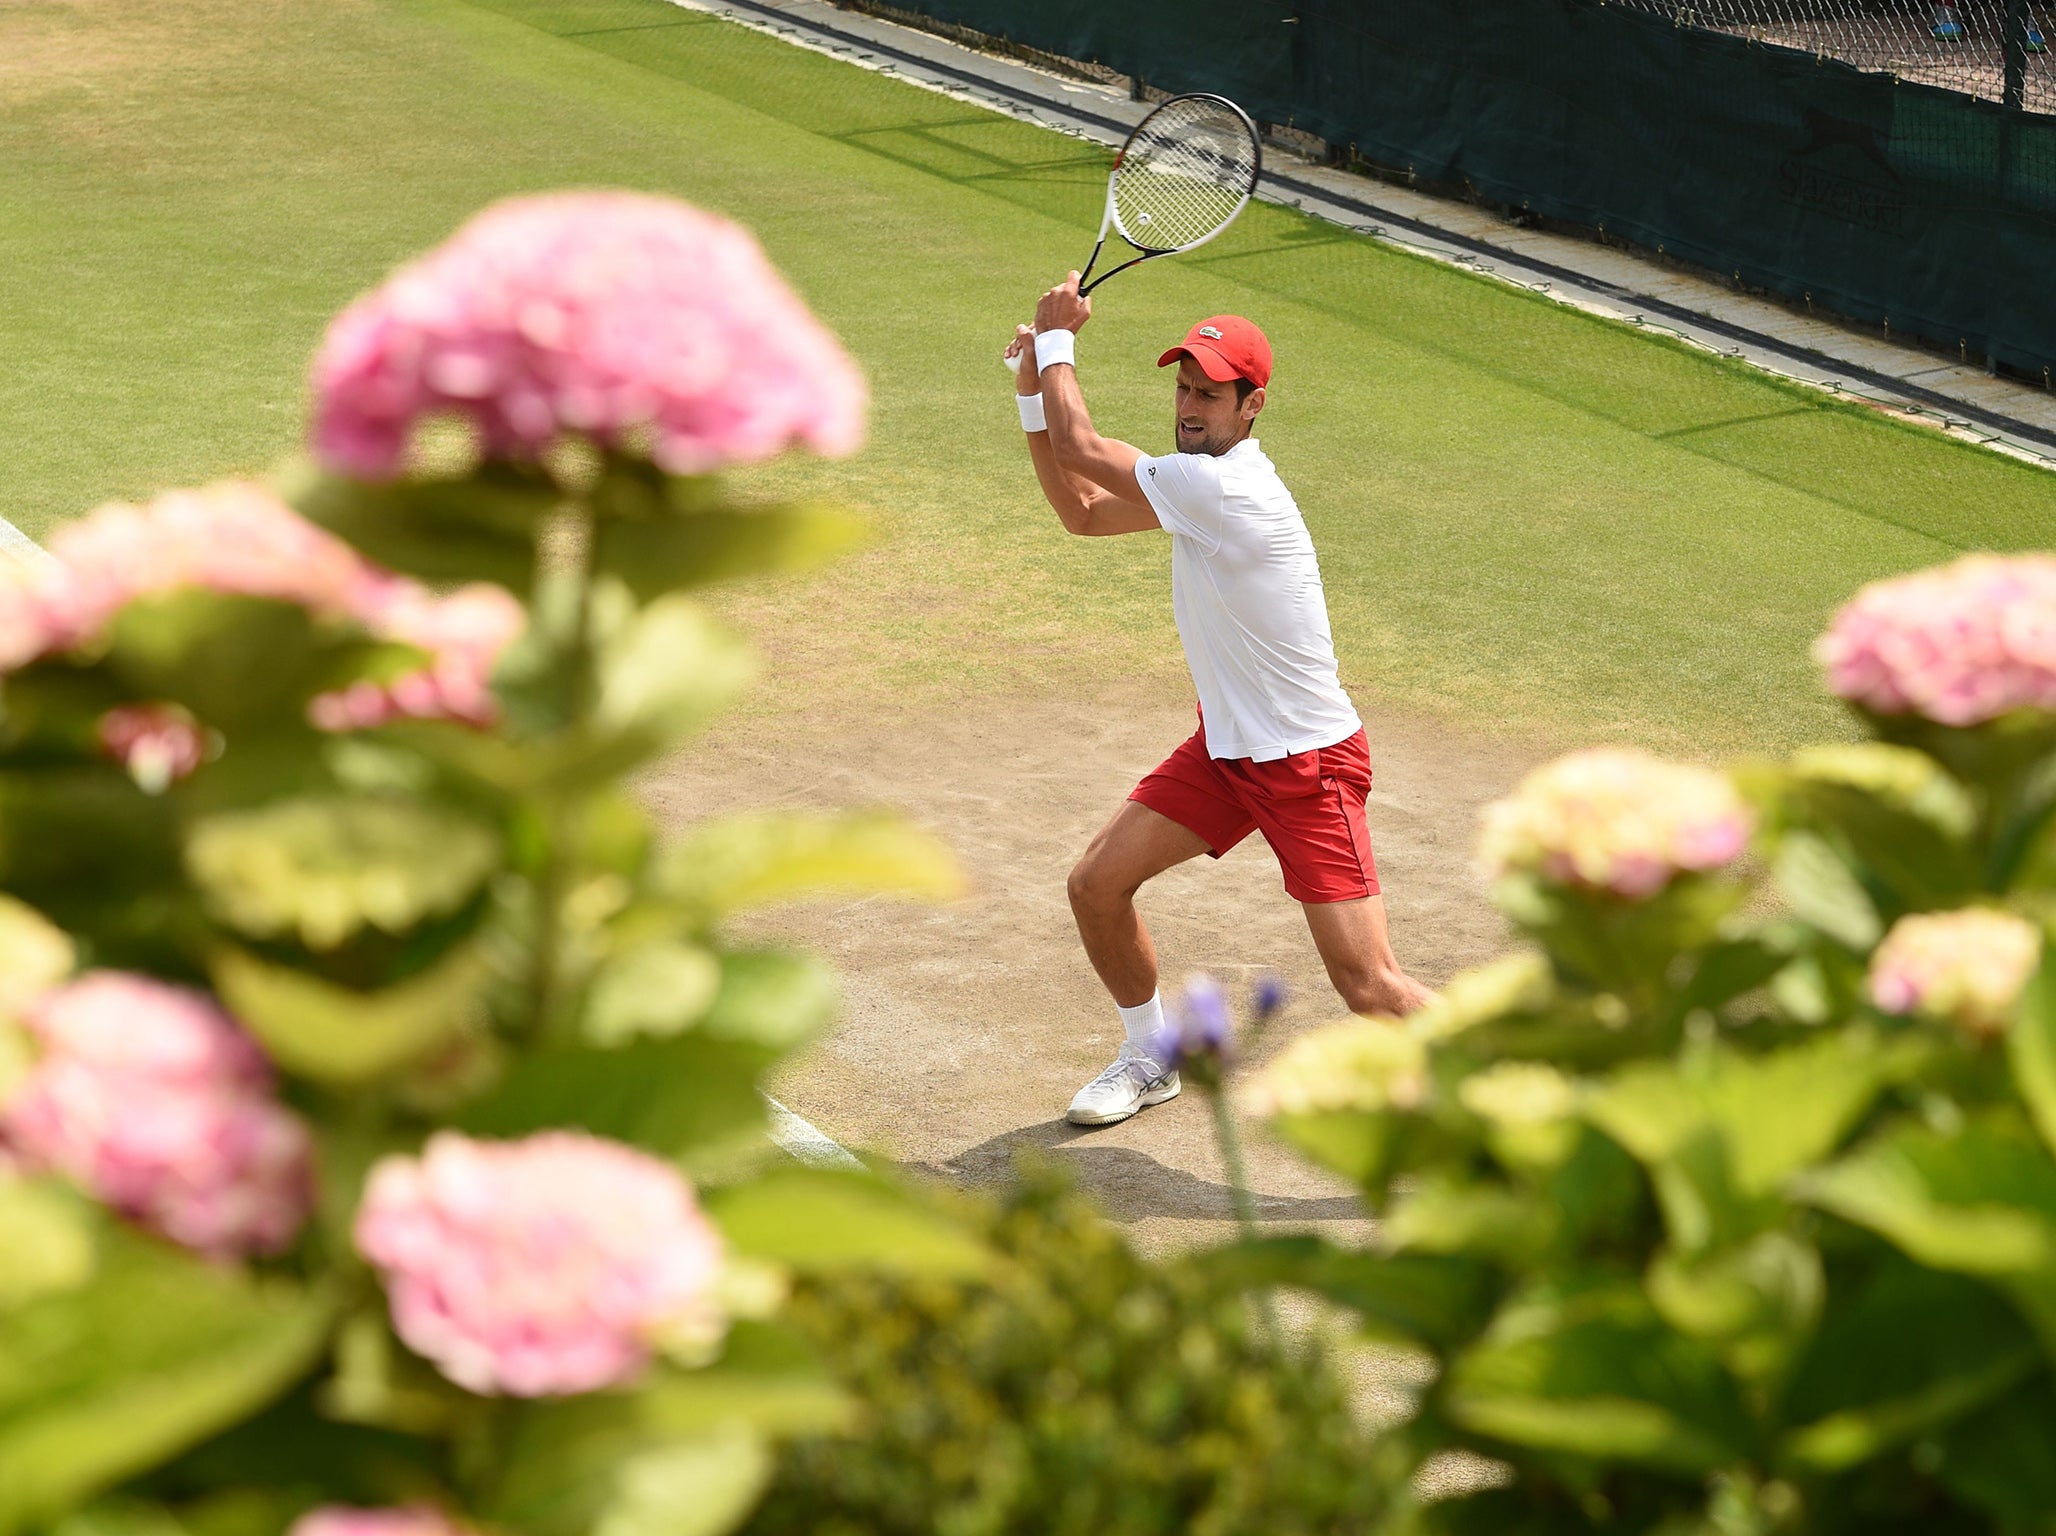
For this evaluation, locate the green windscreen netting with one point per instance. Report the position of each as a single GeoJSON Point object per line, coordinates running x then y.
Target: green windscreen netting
{"type": "Point", "coordinates": [1892, 162]}
{"type": "Point", "coordinates": [1984, 48]}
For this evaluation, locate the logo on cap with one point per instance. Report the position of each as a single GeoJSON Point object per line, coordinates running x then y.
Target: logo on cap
{"type": "Point", "coordinates": [1207, 330]}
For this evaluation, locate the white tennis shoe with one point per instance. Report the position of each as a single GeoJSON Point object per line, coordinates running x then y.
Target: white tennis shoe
{"type": "Point", "coordinates": [1133, 1082]}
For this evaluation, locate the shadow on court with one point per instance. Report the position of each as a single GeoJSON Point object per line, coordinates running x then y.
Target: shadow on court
{"type": "Point", "coordinates": [1127, 1184]}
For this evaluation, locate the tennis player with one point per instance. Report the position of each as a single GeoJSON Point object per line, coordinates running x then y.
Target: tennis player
{"type": "Point", "coordinates": [1279, 749]}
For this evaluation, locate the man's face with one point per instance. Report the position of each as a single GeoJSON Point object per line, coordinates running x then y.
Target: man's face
{"type": "Point", "coordinates": [1210, 419]}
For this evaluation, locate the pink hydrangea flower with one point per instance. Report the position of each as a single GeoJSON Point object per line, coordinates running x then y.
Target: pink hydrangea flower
{"type": "Point", "coordinates": [240, 539]}
{"type": "Point", "coordinates": [1615, 820]}
{"type": "Point", "coordinates": [402, 1520]}
{"type": "Point", "coordinates": [1965, 967]}
{"type": "Point", "coordinates": [154, 1101]}
{"type": "Point", "coordinates": [464, 634]}
{"type": "Point", "coordinates": [34, 610]}
{"type": "Point", "coordinates": [1958, 645]}
{"type": "Point", "coordinates": [541, 1267]}
{"type": "Point", "coordinates": [158, 744]}
{"type": "Point", "coordinates": [635, 320]}
{"type": "Point", "coordinates": [234, 537]}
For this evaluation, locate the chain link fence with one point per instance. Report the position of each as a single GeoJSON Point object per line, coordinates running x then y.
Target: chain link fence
{"type": "Point", "coordinates": [2000, 50]}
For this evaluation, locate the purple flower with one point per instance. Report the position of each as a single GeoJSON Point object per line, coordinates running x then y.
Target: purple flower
{"type": "Point", "coordinates": [1270, 997]}
{"type": "Point", "coordinates": [1199, 1031]}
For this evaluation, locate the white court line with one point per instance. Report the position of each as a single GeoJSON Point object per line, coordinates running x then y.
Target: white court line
{"type": "Point", "coordinates": [19, 544]}
{"type": "Point", "coordinates": [805, 1142]}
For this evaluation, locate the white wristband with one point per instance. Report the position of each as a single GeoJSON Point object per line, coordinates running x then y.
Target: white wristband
{"type": "Point", "coordinates": [1053, 347]}
{"type": "Point", "coordinates": [1032, 419]}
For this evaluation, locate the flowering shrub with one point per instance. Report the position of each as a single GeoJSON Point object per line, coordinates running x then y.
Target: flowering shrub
{"type": "Point", "coordinates": [398, 1168]}
{"type": "Point", "coordinates": [1730, 1207]}
{"type": "Point", "coordinates": [1078, 1390]}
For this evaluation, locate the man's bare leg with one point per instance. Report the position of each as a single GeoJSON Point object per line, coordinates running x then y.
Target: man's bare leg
{"type": "Point", "coordinates": [1137, 845]}
{"type": "Point", "coordinates": [1356, 947]}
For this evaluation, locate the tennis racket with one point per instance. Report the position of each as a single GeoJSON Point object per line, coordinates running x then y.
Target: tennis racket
{"type": "Point", "coordinates": [1186, 171]}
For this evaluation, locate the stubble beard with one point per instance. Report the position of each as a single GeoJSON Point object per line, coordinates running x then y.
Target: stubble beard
{"type": "Point", "coordinates": [1213, 445]}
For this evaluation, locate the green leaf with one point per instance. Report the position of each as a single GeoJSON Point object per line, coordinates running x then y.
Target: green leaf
{"type": "Point", "coordinates": [321, 869]}
{"type": "Point", "coordinates": [1518, 985]}
{"type": "Point", "coordinates": [1617, 944]}
{"type": "Point", "coordinates": [1406, 1298]}
{"type": "Point", "coordinates": [1821, 890]}
{"type": "Point", "coordinates": [2031, 1047]}
{"type": "Point", "coordinates": [1726, 971]}
{"type": "Point", "coordinates": [158, 1352]}
{"type": "Point", "coordinates": [732, 863]}
{"type": "Point", "coordinates": [816, 1221]}
{"type": "Point", "coordinates": [1906, 823]}
{"type": "Point", "coordinates": [1720, 1132]}
{"type": "Point", "coordinates": [570, 1467]}
{"type": "Point", "coordinates": [1910, 1352]}
{"type": "Point", "coordinates": [659, 555]}
{"type": "Point", "coordinates": [1999, 1458]}
{"type": "Point", "coordinates": [1979, 1201]}
{"type": "Point", "coordinates": [75, 837]}
{"type": "Point", "coordinates": [1775, 1113]}
{"type": "Point", "coordinates": [667, 670]}
{"type": "Point", "coordinates": [701, 1487]}
{"type": "Point", "coordinates": [658, 989]}
{"type": "Point", "coordinates": [1444, 1214]}
{"type": "Point", "coordinates": [317, 1029]}
{"type": "Point", "coordinates": [480, 528]}
{"type": "Point", "coordinates": [35, 954]}
{"type": "Point", "coordinates": [1756, 1303]}
{"type": "Point", "coordinates": [46, 1241]}
{"type": "Point", "coordinates": [1594, 1372]}
{"type": "Point", "coordinates": [692, 1097]}
{"type": "Point", "coordinates": [235, 662]}
{"type": "Point", "coordinates": [773, 998]}
{"type": "Point", "coordinates": [119, 1517]}
{"type": "Point", "coordinates": [1359, 1146]}
{"type": "Point", "coordinates": [254, 1479]}
{"type": "Point", "coordinates": [768, 1377]}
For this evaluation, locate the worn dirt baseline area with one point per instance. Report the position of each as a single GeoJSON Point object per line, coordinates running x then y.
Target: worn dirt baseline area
{"type": "Point", "coordinates": [966, 1028]}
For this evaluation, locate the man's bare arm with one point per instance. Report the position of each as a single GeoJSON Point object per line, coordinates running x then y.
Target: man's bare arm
{"type": "Point", "coordinates": [1104, 462]}
{"type": "Point", "coordinates": [1084, 507]}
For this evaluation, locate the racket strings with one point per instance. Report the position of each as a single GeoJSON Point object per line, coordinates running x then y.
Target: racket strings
{"type": "Point", "coordinates": [1183, 176]}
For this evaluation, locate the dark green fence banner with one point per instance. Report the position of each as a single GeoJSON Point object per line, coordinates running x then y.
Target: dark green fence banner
{"type": "Point", "coordinates": [1885, 201]}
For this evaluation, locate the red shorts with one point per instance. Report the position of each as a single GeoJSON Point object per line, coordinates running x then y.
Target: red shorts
{"type": "Point", "coordinates": [1309, 807]}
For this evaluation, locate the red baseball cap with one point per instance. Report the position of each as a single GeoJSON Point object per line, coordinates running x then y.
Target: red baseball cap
{"type": "Point", "coordinates": [1225, 347]}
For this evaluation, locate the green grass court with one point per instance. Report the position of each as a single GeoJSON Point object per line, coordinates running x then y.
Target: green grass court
{"type": "Point", "coordinates": [1528, 519]}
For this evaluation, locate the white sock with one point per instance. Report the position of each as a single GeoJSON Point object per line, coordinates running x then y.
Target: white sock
{"type": "Point", "coordinates": [1143, 1023]}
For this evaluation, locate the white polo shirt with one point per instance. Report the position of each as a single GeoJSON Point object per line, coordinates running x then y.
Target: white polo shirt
{"type": "Point", "coordinates": [1246, 591]}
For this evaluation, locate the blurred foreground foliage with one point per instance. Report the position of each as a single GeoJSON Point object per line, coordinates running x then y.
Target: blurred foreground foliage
{"type": "Point", "coordinates": [1074, 1388]}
